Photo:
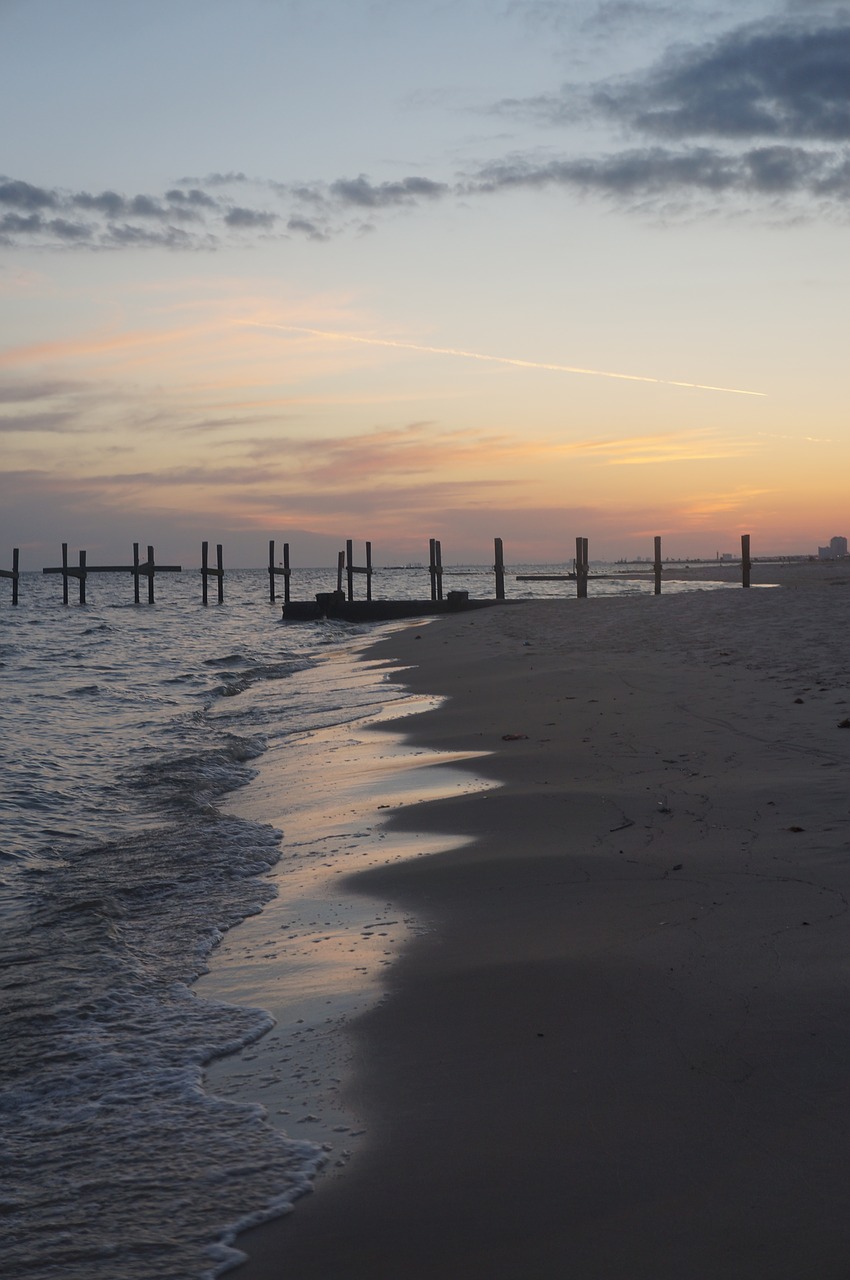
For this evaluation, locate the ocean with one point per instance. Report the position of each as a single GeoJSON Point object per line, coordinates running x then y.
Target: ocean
{"type": "Point", "coordinates": [128, 732]}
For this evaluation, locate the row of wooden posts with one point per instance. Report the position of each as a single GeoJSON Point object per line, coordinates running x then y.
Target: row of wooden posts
{"type": "Point", "coordinates": [148, 569]}
{"type": "Point", "coordinates": [346, 570]}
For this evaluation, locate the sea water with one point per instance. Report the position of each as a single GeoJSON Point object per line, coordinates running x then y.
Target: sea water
{"type": "Point", "coordinates": [124, 729]}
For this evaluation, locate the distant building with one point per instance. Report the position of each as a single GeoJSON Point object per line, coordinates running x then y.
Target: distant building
{"type": "Point", "coordinates": [837, 550]}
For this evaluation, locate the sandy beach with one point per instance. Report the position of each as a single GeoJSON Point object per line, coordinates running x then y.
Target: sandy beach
{"type": "Point", "coordinates": [618, 1048]}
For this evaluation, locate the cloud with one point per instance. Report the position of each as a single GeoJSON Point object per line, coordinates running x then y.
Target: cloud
{"type": "Point", "coordinates": [59, 421]}
{"type": "Point", "coordinates": [128, 234]}
{"type": "Point", "coordinates": [196, 213]}
{"type": "Point", "coordinates": [193, 197]}
{"type": "Point", "coordinates": [66, 230]}
{"type": "Point", "coordinates": [21, 195]}
{"type": "Point", "coordinates": [754, 82]}
{"type": "Point", "coordinates": [653, 171]}
{"type": "Point", "coordinates": [249, 218]}
{"type": "Point", "coordinates": [23, 392]}
{"type": "Point", "coordinates": [108, 202]}
{"type": "Point", "coordinates": [763, 110]}
{"type": "Point", "coordinates": [306, 227]}
{"type": "Point", "coordinates": [362, 193]}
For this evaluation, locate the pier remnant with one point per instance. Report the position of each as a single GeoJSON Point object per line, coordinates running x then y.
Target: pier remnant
{"type": "Point", "coordinates": [581, 568]}
{"type": "Point", "coordinates": [499, 569]}
{"type": "Point", "coordinates": [746, 562]}
{"type": "Point", "coordinates": [137, 569]}
{"type": "Point", "coordinates": [435, 568]}
{"type": "Point", "coordinates": [282, 571]}
{"type": "Point", "coordinates": [657, 566]}
{"type": "Point", "coordinates": [352, 568]}
{"type": "Point", "coordinates": [207, 572]}
{"type": "Point", "coordinates": [13, 573]}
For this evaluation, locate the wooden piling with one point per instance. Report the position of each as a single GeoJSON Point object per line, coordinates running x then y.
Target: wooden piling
{"type": "Point", "coordinates": [657, 567]}
{"type": "Point", "coordinates": [435, 568]}
{"type": "Point", "coordinates": [148, 569]}
{"type": "Point", "coordinates": [207, 572]}
{"type": "Point", "coordinates": [746, 563]}
{"type": "Point", "coordinates": [352, 568]}
{"type": "Point", "coordinates": [136, 569]}
{"type": "Point", "coordinates": [581, 568]}
{"type": "Point", "coordinates": [275, 570]}
{"type": "Point", "coordinates": [13, 573]}
{"type": "Point", "coordinates": [349, 577]}
{"type": "Point", "coordinates": [499, 569]}
{"type": "Point", "coordinates": [340, 569]}
{"type": "Point", "coordinates": [68, 571]}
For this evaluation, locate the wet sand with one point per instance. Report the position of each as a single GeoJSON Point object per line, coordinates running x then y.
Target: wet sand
{"type": "Point", "coordinates": [620, 1048]}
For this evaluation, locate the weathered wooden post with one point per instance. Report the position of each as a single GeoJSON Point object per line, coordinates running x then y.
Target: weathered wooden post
{"type": "Point", "coordinates": [581, 568]}
{"type": "Point", "coordinates": [658, 566]}
{"type": "Point", "coordinates": [206, 572]}
{"type": "Point", "coordinates": [368, 571]}
{"type": "Point", "coordinates": [435, 568]}
{"type": "Point", "coordinates": [340, 566]}
{"type": "Point", "coordinates": [285, 572]}
{"type": "Point", "coordinates": [13, 574]}
{"type": "Point", "coordinates": [149, 569]}
{"type": "Point", "coordinates": [349, 579]}
{"type": "Point", "coordinates": [499, 569]}
{"type": "Point", "coordinates": [85, 569]}
{"type": "Point", "coordinates": [68, 572]}
{"type": "Point", "coordinates": [746, 563]}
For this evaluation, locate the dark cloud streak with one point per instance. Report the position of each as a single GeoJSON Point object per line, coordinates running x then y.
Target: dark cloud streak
{"type": "Point", "coordinates": [777, 170]}
{"type": "Point", "coordinates": [363, 194]}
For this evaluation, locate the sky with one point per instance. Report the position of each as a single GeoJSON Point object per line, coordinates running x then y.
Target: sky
{"type": "Point", "coordinates": [313, 270]}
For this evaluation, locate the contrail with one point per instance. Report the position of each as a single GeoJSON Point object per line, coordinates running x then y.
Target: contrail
{"type": "Point", "coordinates": [517, 364]}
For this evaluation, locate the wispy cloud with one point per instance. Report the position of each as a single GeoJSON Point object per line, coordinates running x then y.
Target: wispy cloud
{"type": "Point", "coordinates": [56, 422]}
{"type": "Point", "coordinates": [365, 340]}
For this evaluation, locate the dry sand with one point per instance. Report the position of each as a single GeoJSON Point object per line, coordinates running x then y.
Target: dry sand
{"type": "Point", "coordinates": [622, 1051]}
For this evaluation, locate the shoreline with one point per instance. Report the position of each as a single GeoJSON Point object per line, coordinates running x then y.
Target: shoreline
{"type": "Point", "coordinates": [621, 1052]}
